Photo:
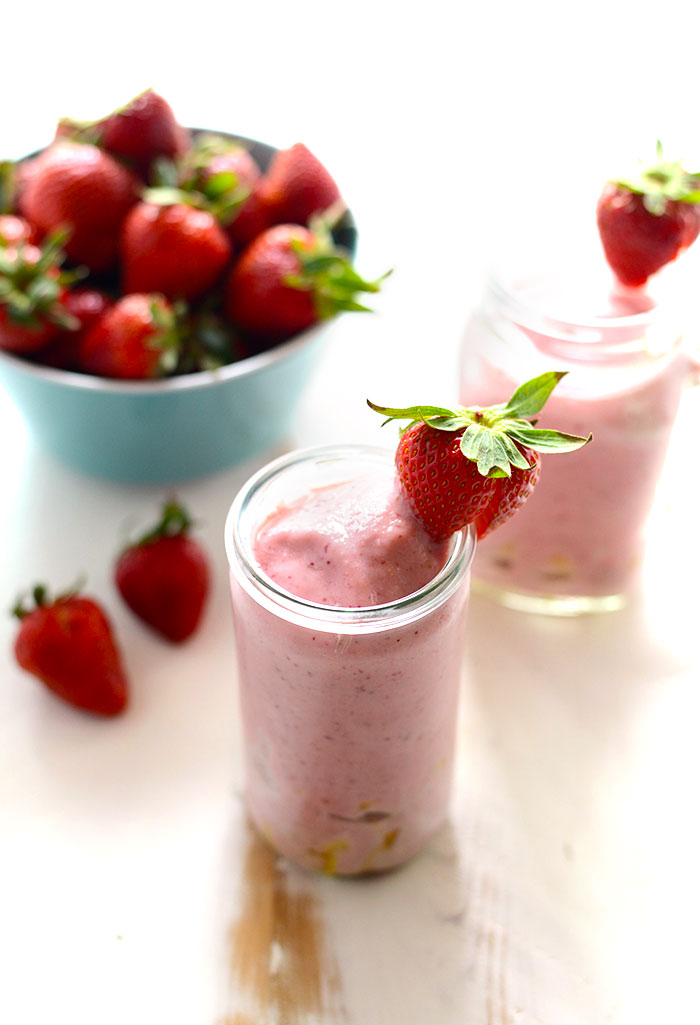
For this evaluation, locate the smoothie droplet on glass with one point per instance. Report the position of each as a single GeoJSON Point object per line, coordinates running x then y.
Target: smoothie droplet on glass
{"type": "Point", "coordinates": [349, 623]}
{"type": "Point", "coordinates": [578, 544]}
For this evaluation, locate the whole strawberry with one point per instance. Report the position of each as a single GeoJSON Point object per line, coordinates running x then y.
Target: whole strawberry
{"type": "Point", "coordinates": [646, 223]}
{"type": "Point", "coordinates": [33, 292]}
{"type": "Point", "coordinates": [289, 278]}
{"type": "Point", "coordinates": [478, 466]}
{"type": "Point", "coordinates": [86, 306]}
{"type": "Point", "coordinates": [164, 577]}
{"type": "Point", "coordinates": [143, 130]}
{"type": "Point", "coordinates": [297, 186]}
{"type": "Point", "coordinates": [136, 339]}
{"type": "Point", "coordinates": [177, 250]}
{"type": "Point", "coordinates": [219, 170]}
{"type": "Point", "coordinates": [79, 188]}
{"type": "Point", "coordinates": [68, 644]}
{"type": "Point", "coordinates": [139, 133]}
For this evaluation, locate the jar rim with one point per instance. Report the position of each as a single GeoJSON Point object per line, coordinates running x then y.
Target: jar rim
{"type": "Point", "coordinates": [240, 525]}
{"type": "Point", "coordinates": [649, 331]}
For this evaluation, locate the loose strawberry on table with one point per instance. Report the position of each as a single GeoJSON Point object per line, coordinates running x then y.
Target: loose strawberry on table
{"type": "Point", "coordinates": [646, 222]}
{"type": "Point", "coordinates": [76, 187]}
{"type": "Point", "coordinates": [289, 278]}
{"type": "Point", "coordinates": [461, 466]}
{"type": "Point", "coordinates": [137, 338]}
{"type": "Point", "coordinates": [164, 577]}
{"type": "Point", "coordinates": [68, 643]}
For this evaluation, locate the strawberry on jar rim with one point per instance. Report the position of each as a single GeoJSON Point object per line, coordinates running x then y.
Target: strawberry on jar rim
{"type": "Point", "coordinates": [78, 188]}
{"type": "Point", "coordinates": [462, 466]}
{"type": "Point", "coordinates": [288, 279]}
{"type": "Point", "coordinates": [68, 643]}
{"type": "Point", "coordinates": [646, 222]}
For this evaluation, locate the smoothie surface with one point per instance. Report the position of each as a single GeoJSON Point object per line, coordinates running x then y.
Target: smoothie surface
{"type": "Point", "coordinates": [353, 544]}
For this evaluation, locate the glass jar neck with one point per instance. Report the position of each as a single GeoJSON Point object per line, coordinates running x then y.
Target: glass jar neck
{"type": "Point", "coordinates": [587, 321]}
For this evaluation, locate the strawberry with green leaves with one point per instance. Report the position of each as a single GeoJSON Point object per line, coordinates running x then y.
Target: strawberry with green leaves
{"type": "Point", "coordinates": [288, 279]}
{"type": "Point", "coordinates": [461, 466]}
{"type": "Point", "coordinates": [138, 338]}
{"type": "Point", "coordinates": [164, 576]}
{"type": "Point", "coordinates": [33, 291]}
{"type": "Point", "coordinates": [68, 643]}
{"type": "Point", "coordinates": [646, 222]}
{"type": "Point", "coordinates": [142, 131]}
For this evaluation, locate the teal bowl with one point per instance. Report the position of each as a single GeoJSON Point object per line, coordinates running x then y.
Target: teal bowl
{"type": "Point", "coordinates": [159, 431]}
{"type": "Point", "coordinates": [174, 428]}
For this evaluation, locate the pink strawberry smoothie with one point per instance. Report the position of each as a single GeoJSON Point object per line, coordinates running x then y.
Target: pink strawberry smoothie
{"type": "Point", "coordinates": [349, 723]}
{"type": "Point", "coordinates": [581, 533]}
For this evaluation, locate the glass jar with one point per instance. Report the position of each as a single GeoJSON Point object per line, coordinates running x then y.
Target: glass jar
{"type": "Point", "coordinates": [577, 545]}
{"type": "Point", "coordinates": [349, 714]}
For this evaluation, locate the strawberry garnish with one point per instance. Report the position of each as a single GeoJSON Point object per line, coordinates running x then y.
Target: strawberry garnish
{"type": "Point", "coordinates": [164, 577]}
{"type": "Point", "coordinates": [461, 466]}
{"type": "Point", "coordinates": [646, 222]}
{"type": "Point", "coordinates": [68, 644]}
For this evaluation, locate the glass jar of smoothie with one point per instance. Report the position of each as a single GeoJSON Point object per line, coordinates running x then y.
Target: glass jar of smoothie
{"type": "Point", "coordinates": [577, 545]}
{"type": "Point", "coordinates": [349, 629]}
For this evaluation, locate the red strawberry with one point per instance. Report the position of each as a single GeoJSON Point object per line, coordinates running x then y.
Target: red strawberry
{"type": "Point", "coordinates": [297, 186]}
{"type": "Point", "coordinates": [287, 279]}
{"type": "Point", "coordinates": [15, 229]}
{"type": "Point", "coordinates": [164, 577]}
{"type": "Point", "coordinates": [476, 466]}
{"type": "Point", "coordinates": [219, 170]}
{"type": "Point", "coordinates": [80, 188]}
{"type": "Point", "coordinates": [143, 130]}
{"type": "Point", "coordinates": [645, 224]}
{"type": "Point", "coordinates": [136, 338]}
{"type": "Point", "coordinates": [32, 296]}
{"type": "Point", "coordinates": [68, 644]}
{"type": "Point", "coordinates": [87, 305]}
{"type": "Point", "coordinates": [177, 250]}
{"type": "Point", "coordinates": [251, 218]}
{"type": "Point", "coordinates": [138, 133]}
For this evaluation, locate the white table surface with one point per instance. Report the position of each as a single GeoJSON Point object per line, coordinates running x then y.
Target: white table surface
{"type": "Point", "coordinates": [563, 890]}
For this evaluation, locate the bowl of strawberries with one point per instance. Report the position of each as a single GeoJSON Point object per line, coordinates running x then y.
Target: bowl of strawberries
{"type": "Point", "coordinates": [164, 291]}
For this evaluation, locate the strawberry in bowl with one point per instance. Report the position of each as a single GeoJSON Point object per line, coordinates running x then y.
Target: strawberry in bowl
{"type": "Point", "coordinates": [156, 221]}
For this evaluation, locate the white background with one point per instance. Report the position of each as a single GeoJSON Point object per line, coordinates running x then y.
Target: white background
{"type": "Point", "coordinates": [453, 130]}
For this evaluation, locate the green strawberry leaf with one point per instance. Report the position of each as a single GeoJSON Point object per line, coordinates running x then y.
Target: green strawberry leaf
{"type": "Point", "coordinates": [529, 398]}
{"type": "Point", "coordinates": [542, 440]}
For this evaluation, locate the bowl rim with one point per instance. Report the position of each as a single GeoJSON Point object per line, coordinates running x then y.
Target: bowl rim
{"type": "Point", "coordinates": [181, 382]}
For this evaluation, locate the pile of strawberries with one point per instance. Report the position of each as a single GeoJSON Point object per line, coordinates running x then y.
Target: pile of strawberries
{"type": "Point", "coordinates": [134, 248]}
